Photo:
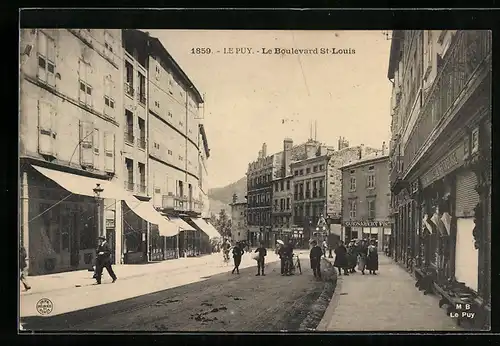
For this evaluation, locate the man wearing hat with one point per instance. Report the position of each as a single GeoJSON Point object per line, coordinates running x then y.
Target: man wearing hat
{"type": "Point", "coordinates": [103, 260]}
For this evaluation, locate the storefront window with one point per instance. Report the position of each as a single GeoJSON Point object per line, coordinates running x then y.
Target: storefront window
{"type": "Point", "coordinates": [50, 226]}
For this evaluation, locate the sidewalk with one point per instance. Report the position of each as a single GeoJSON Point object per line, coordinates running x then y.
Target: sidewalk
{"type": "Point", "coordinates": [388, 301]}
{"type": "Point", "coordinates": [65, 280]}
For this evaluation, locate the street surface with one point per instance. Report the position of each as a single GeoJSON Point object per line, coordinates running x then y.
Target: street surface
{"type": "Point", "coordinates": [388, 301]}
{"type": "Point", "coordinates": [200, 298]}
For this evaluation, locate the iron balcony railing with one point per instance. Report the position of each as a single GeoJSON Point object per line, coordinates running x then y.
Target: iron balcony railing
{"type": "Point", "coordinates": [141, 142]}
{"type": "Point", "coordinates": [129, 186]}
{"type": "Point", "coordinates": [129, 89]}
{"type": "Point", "coordinates": [128, 137]}
{"type": "Point", "coordinates": [467, 52]}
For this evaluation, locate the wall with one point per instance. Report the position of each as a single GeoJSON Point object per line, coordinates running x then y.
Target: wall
{"type": "Point", "coordinates": [381, 192]}
{"type": "Point", "coordinates": [63, 97]}
{"type": "Point", "coordinates": [238, 222]}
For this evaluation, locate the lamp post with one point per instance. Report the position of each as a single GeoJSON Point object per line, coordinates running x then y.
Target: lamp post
{"type": "Point", "coordinates": [98, 190]}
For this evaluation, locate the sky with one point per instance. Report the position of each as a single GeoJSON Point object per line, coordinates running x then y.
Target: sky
{"type": "Point", "coordinates": [255, 98]}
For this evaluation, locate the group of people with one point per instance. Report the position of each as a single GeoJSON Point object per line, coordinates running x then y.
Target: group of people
{"type": "Point", "coordinates": [285, 253]}
{"type": "Point", "coordinates": [238, 251]}
{"type": "Point", "coordinates": [360, 253]}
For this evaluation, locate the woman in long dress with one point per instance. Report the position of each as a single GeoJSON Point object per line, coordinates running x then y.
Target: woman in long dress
{"type": "Point", "coordinates": [351, 257]}
{"type": "Point", "coordinates": [362, 254]}
{"type": "Point", "coordinates": [341, 258]}
{"type": "Point", "coordinates": [372, 258]}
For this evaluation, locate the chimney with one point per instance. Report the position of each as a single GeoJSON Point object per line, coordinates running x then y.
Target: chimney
{"type": "Point", "coordinates": [287, 155]}
{"type": "Point", "coordinates": [311, 149]}
{"type": "Point", "coordinates": [383, 148]}
{"type": "Point", "coordinates": [361, 151]}
{"type": "Point", "coordinates": [339, 143]}
{"type": "Point", "coordinates": [235, 198]}
{"type": "Point", "coordinates": [260, 154]}
{"type": "Point", "coordinates": [264, 150]}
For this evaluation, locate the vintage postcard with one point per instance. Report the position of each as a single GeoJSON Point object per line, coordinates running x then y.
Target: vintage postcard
{"type": "Point", "coordinates": [254, 181]}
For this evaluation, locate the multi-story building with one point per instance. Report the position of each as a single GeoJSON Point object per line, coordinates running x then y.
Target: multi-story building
{"type": "Point", "coordinates": [317, 189]}
{"type": "Point", "coordinates": [239, 231]}
{"type": "Point", "coordinates": [366, 199]}
{"type": "Point", "coordinates": [70, 140]}
{"type": "Point", "coordinates": [177, 150]}
{"type": "Point", "coordinates": [259, 189]}
{"type": "Point", "coordinates": [441, 157]}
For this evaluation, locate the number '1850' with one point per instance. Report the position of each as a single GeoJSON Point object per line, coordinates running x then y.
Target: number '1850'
{"type": "Point", "coordinates": [201, 51]}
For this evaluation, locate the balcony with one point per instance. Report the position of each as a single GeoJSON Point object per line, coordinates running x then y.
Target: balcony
{"type": "Point", "coordinates": [128, 137]}
{"type": "Point", "coordinates": [141, 143]}
{"type": "Point", "coordinates": [129, 89]}
{"type": "Point", "coordinates": [461, 64]}
{"type": "Point", "coordinates": [129, 186]}
{"type": "Point", "coordinates": [174, 202]}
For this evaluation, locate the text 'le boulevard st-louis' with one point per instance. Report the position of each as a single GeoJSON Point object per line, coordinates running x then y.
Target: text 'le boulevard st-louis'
{"type": "Point", "coordinates": [170, 185]}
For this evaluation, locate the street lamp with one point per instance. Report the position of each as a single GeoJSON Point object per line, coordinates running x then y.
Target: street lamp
{"type": "Point", "coordinates": [98, 190]}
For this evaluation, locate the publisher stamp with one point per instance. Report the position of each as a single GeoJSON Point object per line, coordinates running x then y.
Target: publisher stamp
{"type": "Point", "coordinates": [273, 51]}
{"type": "Point", "coordinates": [44, 306]}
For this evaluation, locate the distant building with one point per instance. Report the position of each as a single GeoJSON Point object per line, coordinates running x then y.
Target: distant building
{"type": "Point", "coordinates": [366, 199]}
{"type": "Point", "coordinates": [317, 190]}
{"type": "Point", "coordinates": [259, 189]}
{"type": "Point", "coordinates": [239, 230]}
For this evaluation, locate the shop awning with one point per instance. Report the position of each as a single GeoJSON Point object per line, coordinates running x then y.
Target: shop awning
{"type": "Point", "coordinates": [183, 225]}
{"type": "Point", "coordinates": [205, 228]}
{"type": "Point", "coordinates": [214, 230]}
{"type": "Point", "coordinates": [80, 185]}
{"type": "Point", "coordinates": [146, 211]}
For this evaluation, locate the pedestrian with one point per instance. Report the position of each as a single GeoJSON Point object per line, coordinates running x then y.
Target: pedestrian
{"type": "Point", "coordinates": [237, 253]}
{"type": "Point", "coordinates": [282, 255]}
{"type": "Point", "coordinates": [362, 254]}
{"type": "Point", "coordinates": [261, 250]}
{"type": "Point", "coordinates": [325, 246]}
{"type": "Point", "coordinates": [315, 259]}
{"type": "Point", "coordinates": [341, 258]}
{"type": "Point", "coordinates": [372, 258]}
{"type": "Point", "coordinates": [22, 266]}
{"type": "Point", "coordinates": [351, 257]}
{"type": "Point", "coordinates": [103, 260]}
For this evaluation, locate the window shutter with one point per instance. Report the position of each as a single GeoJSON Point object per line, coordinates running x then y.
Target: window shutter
{"type": "Point", "coordinates": [95, 141]}
{"type": "Point", "coordinates": [42, 44]}
{"type": "Point", "coordinates": [44, 128]}
{"type": "Point", "coordinates": [54, 127]}
{"type": "Point", "coordinates": [109, 149]}
{"type": "Point", "coordinates": [86, 136]}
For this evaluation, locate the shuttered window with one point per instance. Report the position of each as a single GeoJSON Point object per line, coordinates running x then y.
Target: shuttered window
{"type": "Point", "coordinates": [46, 128]}
{"type": "Point", "coordinates": [46, 59]}
{"type": "Point", "coordinates": [109, 152]}
{"type": "Point", "coordinates": [467, 197]}
{"type": "Point", "coordinates": [86, 146]}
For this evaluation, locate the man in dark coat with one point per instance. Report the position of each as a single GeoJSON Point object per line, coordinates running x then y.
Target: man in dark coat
{"type": "Point", "coordinates": [103, 260]}
{"type": "Point", "coordinates": [23, 265]}
{"type": "Point", "coordinates": [315, 259]}
{"type": "Point", "coordinates": [237, 254]}
{"type": "Point", "coordinates": [261, 250]}
{"type": "Point", "coordinates": [341, 258]}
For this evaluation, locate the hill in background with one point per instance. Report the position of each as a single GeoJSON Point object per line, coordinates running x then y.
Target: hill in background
{"type": "Point", "coordinates": [221, 197]}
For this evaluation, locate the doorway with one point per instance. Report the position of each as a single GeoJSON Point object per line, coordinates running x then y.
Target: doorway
{"type": "Point", "coordinates": [74, 241]}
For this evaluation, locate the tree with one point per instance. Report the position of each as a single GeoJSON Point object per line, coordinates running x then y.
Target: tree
{"type": "Point", "coordinates": [223, 224]}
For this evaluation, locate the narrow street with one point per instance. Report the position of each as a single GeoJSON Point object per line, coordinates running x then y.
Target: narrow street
{"type": "Point", "coordinates": [216, 302]}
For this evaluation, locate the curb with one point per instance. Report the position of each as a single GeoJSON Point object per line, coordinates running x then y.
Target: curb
{"type": "Point", "coordinates": [323, 303]}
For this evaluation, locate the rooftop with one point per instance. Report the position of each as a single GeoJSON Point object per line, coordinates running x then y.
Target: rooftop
{"type": "Point", "coordinates": [367, 159]}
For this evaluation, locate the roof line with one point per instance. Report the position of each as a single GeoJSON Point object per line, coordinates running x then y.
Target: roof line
{"type": "Point", "coordinates": [367, 160]}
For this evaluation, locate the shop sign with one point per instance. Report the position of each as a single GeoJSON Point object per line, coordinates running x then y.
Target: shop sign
{"type": "Point", "coordinates": [448, 164]}
{"type": "Point", "coordinates": [367, 223]}
{"type": "Point", "coordinates": [110, 223]}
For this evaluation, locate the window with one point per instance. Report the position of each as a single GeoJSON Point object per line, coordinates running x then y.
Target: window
{"type": "Point", "coordinates": [129, 129]}
{"type": "Point", "coordinates": [352, 184]}
{"type": "Point", "coordinates": [308, 170]}
{"type": "Point", "coordinates": [129, 83]}
{"type": "Point", "coordinates": [129, 184]}
{"type": "Point", "coordinates": [46, 59]}
{"type": "Point", "coordinates": [109, 102]}
{"type": "Point", "coordinates": [109, 152]}
{"type": "Point", "coordinates": [169, 152]}
{"type": "Point", "coordinates": [371, 181]}
{"type": "Point", "coordinates": [301, 172]}
{"type": "Point", "coordinates": [276, 187]}
{"type": "Point", "coordinates": [47, 128]}
{"type": "Point", "coordinates": [181, 158]}
{"type": "Point", "coordinates": [95, 140]}
{"type": "Point", "coordinates": [282, 185]}
{"type": "Point", "coordinates": [321, 167]}
{"type": "Point", "coordinates": [371, 208]}
{"type": "Point", "coordinates": [85, 93]}
{"type": "Point", "coordinates": [109, 46]}
{"type": "Point", "coordinates": [352, 208]}
{"type": "Point", "coordinates": [296, 173]}
{"type": "Point", "coordinates": [86, 145]}
{"type": "Point", "coordinates": [142, 177]}
{"type": "Point", "coordinates": [142, 134]}
{"type": "Point", "coordinates": [142, 88]}
{"type": "Point", "coordinates": [275, 204]}
{"type": "Point", "coordinates": [288, 204]}
{"type": "Point", "coordinates": [157, 72]}
{"type": "Point", "coordinates": [371, 168]}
